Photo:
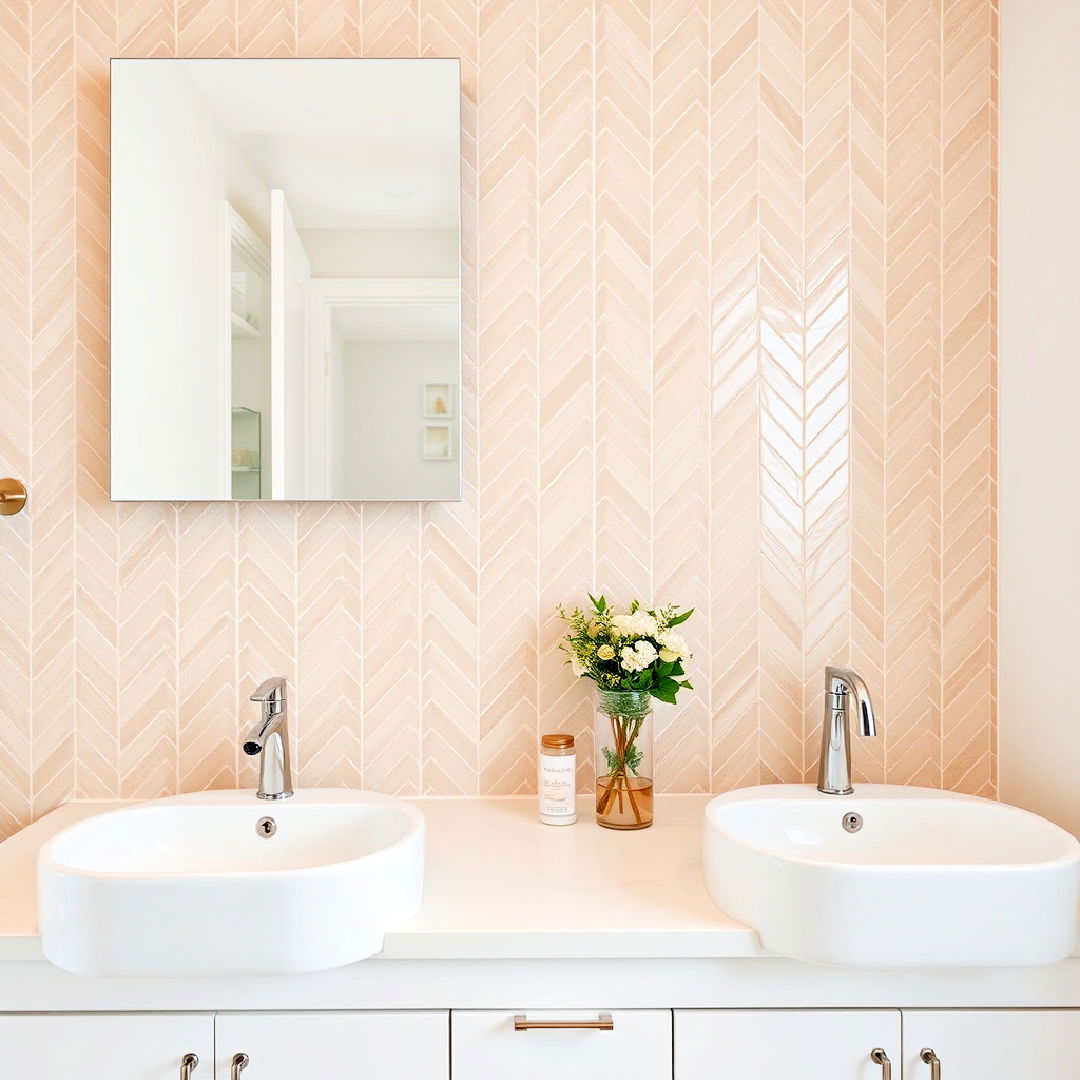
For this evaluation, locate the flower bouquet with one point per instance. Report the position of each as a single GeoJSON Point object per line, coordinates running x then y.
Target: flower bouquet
{"type": "Point", "coordinates": [632, 657]}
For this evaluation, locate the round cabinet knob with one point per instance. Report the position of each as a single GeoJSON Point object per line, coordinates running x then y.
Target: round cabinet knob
{"type": "Point", "coordinates": [12, 496]}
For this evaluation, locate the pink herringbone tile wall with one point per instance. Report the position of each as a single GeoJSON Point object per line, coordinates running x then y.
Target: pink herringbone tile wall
{"type": "Point", "coordinates": [729, 279]}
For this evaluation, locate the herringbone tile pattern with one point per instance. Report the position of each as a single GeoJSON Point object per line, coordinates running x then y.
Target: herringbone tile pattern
{"type": "Point", "coordinates": [729, 305]}
{"type": "Point", "coordinates": [449, 552]}
{"type": "Point", "coordinates": [680, 347]}
{"type": "Point", "coordinates": [734, 458]}
{"type": "Point", "coordinates": [51, 510]}
{"type": "Point", "coordinates": [969, 395]}
{"type": "Point", "coordinates": [913, 379]}
{"type": "Point", "coordinates": [16, 406]}
{"type": "Point", "coordinates": [867, 376]}
{"type": "Point", "coordinates": [567, 487]}
{"type": "Point", "coordinates": [507, 314]}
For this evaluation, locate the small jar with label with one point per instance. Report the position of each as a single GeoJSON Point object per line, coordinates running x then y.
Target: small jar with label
{"type": "Point", "coordinates": [558, 780]}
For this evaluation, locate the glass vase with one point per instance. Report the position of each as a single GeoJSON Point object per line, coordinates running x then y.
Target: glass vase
{"type": "Point", "coordinates": [624, 759]}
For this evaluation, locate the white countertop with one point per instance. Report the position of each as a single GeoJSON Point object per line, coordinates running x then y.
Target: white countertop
{"type": "Point", "coordinates": [499, 885]}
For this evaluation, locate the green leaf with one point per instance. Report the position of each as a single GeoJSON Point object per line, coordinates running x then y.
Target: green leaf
{"type": "Point", "coordinates": [665, 691]}
{"type": "Point", "coordinates": [685, 684]}
{"type": "Point", "coordinates": [664, 669]}
{"type": "Point", "coordinates": [615, 765]}
{"type": "Point", "coordinates": [681, 618]}
{"type": "Point", "coordinates": [676, 668]}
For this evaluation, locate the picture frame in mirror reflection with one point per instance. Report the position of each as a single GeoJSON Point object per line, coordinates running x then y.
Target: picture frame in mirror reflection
{"type": "Point", "coordinates": [438, 401]}
{"type": "Point", "coordinates": [286, 279]}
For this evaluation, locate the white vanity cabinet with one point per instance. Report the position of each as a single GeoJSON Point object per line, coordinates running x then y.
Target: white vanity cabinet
{"type": "Point", "coordinates": [367, 1045]}
{"type": "Point", "coordinates": [630, 1044]}
{"type": "Point", "coordinates": [993, 1044]}
{"type": "Point", "coordinates": [839, 1044]}
{"type": "Point", "coordinates": [278, 1046]}
{"type": "Point", "coordinates": [105, 1046]}
{"type": "Point", "coordinates": [793, 1044]}
{"type": "Point", "coordinates": [491, 1044]}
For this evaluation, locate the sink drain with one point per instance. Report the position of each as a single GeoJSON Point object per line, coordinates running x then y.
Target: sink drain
{"type": "Point", "coordinates": [852, 822]}
{"type": "Point", "coordinates": [266, 827]}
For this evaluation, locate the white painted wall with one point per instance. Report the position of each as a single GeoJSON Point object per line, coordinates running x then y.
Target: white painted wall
{"type": "Point", "coordinates": [382, 252]}
{"type": "Point", "coordinates": [173, 166]}
{"type": "Point", "coordinates": [384, 419]}
{"type": "Point", "coordinates": [1039, 732]}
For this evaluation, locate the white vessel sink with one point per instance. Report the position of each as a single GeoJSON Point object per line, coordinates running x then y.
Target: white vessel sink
{"type": "Point", "coordinates": [190, 885]}
{"type": "Point", "coordinates": [930, 879]}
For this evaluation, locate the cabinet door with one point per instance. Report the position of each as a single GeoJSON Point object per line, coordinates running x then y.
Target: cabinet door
{"type": "Point", "coordinates": [800, 1044]}
{"type": "Point", "coordinates": [488, 1046]}
{"type": "Point", "coordinates": [335, 1045]}
{"type": "Point", "coordinates": [993, 1044]}
{"type": "Point", "coordinates": [96, 1046]}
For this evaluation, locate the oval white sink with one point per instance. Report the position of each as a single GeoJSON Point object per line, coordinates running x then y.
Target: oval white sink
{"type": "Point", "coordinates": [189, 885]}
{"type": "Point", "coordinates": [930, 878]}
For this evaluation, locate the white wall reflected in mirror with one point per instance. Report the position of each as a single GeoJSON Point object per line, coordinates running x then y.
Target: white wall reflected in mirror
{"type": "Point", "coordinates": [285, 279]}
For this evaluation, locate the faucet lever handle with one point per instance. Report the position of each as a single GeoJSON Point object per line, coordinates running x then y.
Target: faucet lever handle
{"type": "Point", "coordinates": [271, 692]}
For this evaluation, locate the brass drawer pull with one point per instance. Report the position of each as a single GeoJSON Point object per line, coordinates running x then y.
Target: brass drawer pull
{"type": "Point", "coordinates": [238, 1065]}
{"type": "Point", "coordinates": [188, 1064]}
{"type": "Point", "coordinates": [602, 1023]}
{"type": "Point", "coordinates": [879, 1057]}
{"type": "Point", "coordinates": [933, 1061]}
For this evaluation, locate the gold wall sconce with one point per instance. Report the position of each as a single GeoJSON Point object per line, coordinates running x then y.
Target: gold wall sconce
{"type": "Point", "coordinates": [12, 496]}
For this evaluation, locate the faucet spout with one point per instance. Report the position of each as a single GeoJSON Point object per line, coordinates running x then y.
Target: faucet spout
{"type": "Point", "coordinates": [270, 738]}
{"type": "Point", "coordinates": [841, 686]}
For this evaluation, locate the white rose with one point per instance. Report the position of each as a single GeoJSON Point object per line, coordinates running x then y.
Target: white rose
{"type": "Point", "coordinates": [637, 625]}
{"type": "Point", "coordinates": [645, 651]}
{"type": "Point", "coordinates": [672, 646]}
{"type": "Point", "coordinates": [637, 657]}
{"type": "Point", "coordinates": [576, 666]}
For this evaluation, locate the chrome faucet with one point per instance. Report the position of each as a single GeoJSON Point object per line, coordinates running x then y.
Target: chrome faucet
{"type": "Point", "coordinates": [270, 737]}
{"type": "Point", "coordinates": [841, 684]}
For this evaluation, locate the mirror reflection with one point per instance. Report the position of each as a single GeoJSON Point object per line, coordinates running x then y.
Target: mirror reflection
{"type": "Point", "coordinates": [285, 279]}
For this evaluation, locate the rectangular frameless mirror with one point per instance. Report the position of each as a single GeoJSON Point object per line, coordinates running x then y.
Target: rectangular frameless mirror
{"type": "Point", "coordinates": [286, 279]}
